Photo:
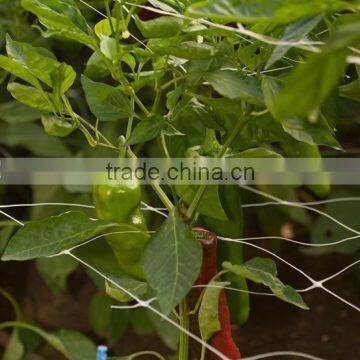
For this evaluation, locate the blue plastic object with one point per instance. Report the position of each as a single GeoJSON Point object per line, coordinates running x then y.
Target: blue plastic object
{"type": "Point", "coordinates": [102, 352]}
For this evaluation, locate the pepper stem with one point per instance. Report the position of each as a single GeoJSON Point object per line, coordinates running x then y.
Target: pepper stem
{"type": "Point", "coordinates": [184, 339]}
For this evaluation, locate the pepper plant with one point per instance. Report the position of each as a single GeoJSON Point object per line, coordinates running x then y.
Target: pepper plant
{"type": "Point", "coordinates": [177, 79]}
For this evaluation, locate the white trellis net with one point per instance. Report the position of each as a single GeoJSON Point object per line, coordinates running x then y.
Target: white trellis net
{"type": "Point", "coordinates": [247, 241]}
{"type": "Point", "coordinates": [312, 46]}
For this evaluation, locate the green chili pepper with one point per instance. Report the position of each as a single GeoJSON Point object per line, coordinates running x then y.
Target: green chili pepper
{"type": "Point", "coordinates": [121, 203]}
{"type": "Point", "coordinates": [304, 150]}
{"type": "Point", "coordinates": [58, 126]}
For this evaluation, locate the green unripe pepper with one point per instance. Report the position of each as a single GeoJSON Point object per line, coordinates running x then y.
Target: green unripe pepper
{"type": "Point", "coordinates": [116, 202]}
{"type": "Point", "coordinates": [121, 203]}
{"type": "Point", "coordinates": [58, 126]}
{"type": "Point", "coordinates": [303, 150]}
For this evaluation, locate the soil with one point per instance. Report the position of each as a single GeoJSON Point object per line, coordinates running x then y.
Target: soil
{"type": "Point", "coordinates": [330, 329]}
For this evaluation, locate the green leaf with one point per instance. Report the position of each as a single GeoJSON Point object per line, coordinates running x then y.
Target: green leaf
{"type": "Point", "coordinates": [57, 126]}
{"type": "Point", "coordinates": [32, 137]}
{"type": "Point", "coordinates": [270, 89]}
{"type": "Point", "coordinates": [129, 60]}
{"type": "Point", "coordinates": [61, 18]}
{"type": "Point", "coordinates": [172, 262]}
{"type": "Point", "coordinates": [103, 26]}
{"type": "Point", "coordinates": [147, 129]}
{"type": "Point", "coordinates": [14, 112]}
{"type": "Point", "coordinates": [209, 322]}
{"type": "Point", "coordinates": [5, 234]}
{"type": "Point", "coordinates": [210, 204]}
{"type": "Point", "coordinates": [62, 77]}
{"type": "Point", "coordinates": [290, 295]}
{"type": "Point", "coordinates": [141, 322]}
{"type": "Point", "coordinates": [106, 102]}
{"type": "Point", "coordinates": [161, 27]}
{"type": "Point", "coordinates": [299, 149]}
{"type": "Point", "coordinates": [107, 322]}
{"type": "Point", "coordinates": [108, 265]}
{"type": "Point", "coordinates": [186, 50]}
{"type": "Point", "coordinates": [351, 91]}
{"type": "Point", "coordinates": [32, 97]}
{"type": "Point", "coordinates": [259, 270]}
{"type": "Point", "coordinates": [77, 346]}
{"type": "Point", "coordinates": [41, 63]}
{"type": "Point", "coordinates": [276, 11]}
{"type": "Point", "coordinates": [100, 314]}
{"type": "Point", "coordinates": [294, 32]}
{"type": "Point", "coordinates": [53, 340]}
{"type": "Point", "coordinates": [188, 120]}
{"type": "Point", "coordinates": [52, 235]}
{"type": "Point", "coordinates": [308, 86]}
{"type": "Point", "coordinates": [259, 130]}
{"type": "Point", "coordinates": [318, 133]}
{"type": "Point", "coordinates": [18, 70]}
{"type": "Point", "coordinates": [258, 152]}
{"type": "Point", "coordinates": [235, 85]}
{"type": "Point", "coordinates": [252, 56]}
{"type": "Point", "coordinates": [55, 271]}
{"type": "Point", "coordinates": [15, 349]}
{"type": "Point", "coordinates": [119, 323]}
{"type": "Point", "coordinates": [168, 333]}
{"type": "Point", "coordinates": [110, 48]}
{"type": "Point", "coordinates": [263, 271]}
{"type": "Point", "coordinates": [96, 67]}
{"type": "Point", "coordinates": [283, 213]}
{"type": "Point", "coordinates": [223, 110]}
{"type": "Point", "coordinates": [118, 295]}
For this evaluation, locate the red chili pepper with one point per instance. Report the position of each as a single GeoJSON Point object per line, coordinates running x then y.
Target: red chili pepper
{"type": "Point", "coordinates": [222, 340]}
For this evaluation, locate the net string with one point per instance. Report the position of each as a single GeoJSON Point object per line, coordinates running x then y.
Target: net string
{"type": "Point", "coordinates": [144, 303]}
{"type": "Point", "coordinates": [279, 201]}
{"type": "Point", "coordinates": [242, 31]}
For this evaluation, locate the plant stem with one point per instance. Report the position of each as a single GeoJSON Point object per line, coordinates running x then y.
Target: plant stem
{"type": "Point", "coordinates": [157, 98]}
{"type": "Point", "coordinates": [107, 142]}
{"type": "Point", "coordinates": [203, 352]}
{"type": "Point", "coordinates": [174, 80]}
{"type": "Point", "coordinates": [163, 197]}
{"type": "Point", "coordinates": [200, 191]}
{"type": "Point", "coordinates": [108, 13]}
{"type": "Point", "coordinates": [157, 188]}
{"type": "Point", "coordinates": [141, 353]}
{"type": "Point", "coordinates": [47, 337]}
{"type": "Point", "coordinates": [13, 303]}
{"type": "Point", "coordinates": [140, 104]}
{"type": "Point", "coordinates": [163, 144]}
{"type": "Point", "coordinates": [9, 223]}
{"type": "Point", "coordinates": [184, 339]}
{"type": "Point", "coordinates": [195, 203]}
{"type": "Point", "coordinates": [231, 138]}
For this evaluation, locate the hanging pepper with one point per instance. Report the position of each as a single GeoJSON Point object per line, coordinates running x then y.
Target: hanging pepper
{"type": "Point", "coordinates": [121, 203]}
{"type": "Point", "coordinates": [239, 302]}
{"type": "Point", "coordinates": [222, 340]}
{"type": "Point", "coordinates": [232, 227]}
